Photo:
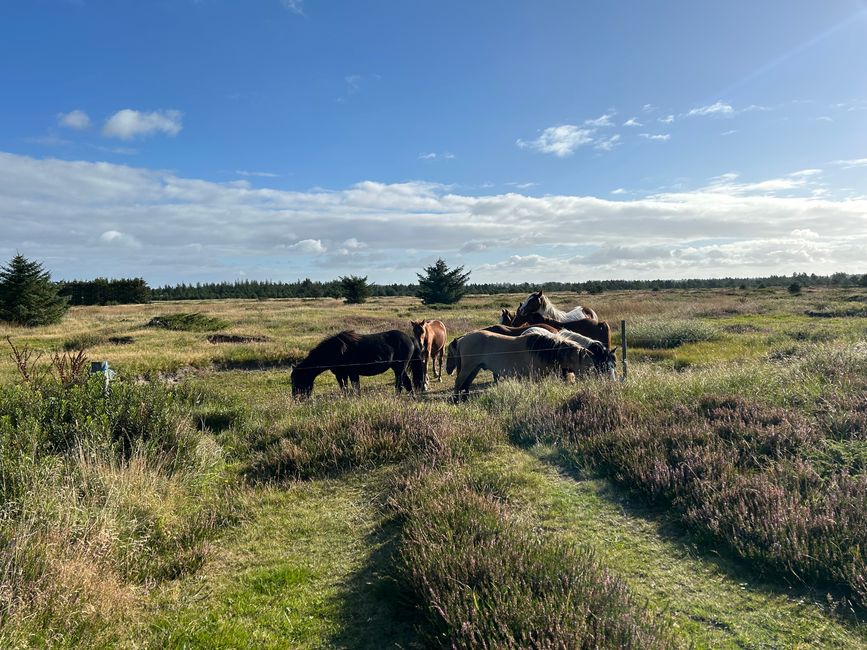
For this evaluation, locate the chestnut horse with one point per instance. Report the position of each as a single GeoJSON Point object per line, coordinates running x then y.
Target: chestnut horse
{"type": "Point", "coordinates": [431, 338]}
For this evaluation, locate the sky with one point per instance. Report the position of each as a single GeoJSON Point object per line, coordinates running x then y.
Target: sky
{"type": "Point", "coordinates": [210, 140]}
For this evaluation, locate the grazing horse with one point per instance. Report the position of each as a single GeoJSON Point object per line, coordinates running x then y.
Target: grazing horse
{"type": "Point", "coordinates": [604, 360]}
{"type": "Point", "coordinates": [431, 338]}
{"type": "Point", "coordinates": [506, 330]}
{"type": "Point", "coordinates": [515, 356]}
{"type": "Point", "coordinates": [538, 303]}
{"type": "Point", "coordinates": [453, 358]}
{"type": "Point", "coordinates": [350, 355]}
{"type": "Point", "coordinates": [506, 317]}
{"type": "Point", "coordinates": [596, 330]}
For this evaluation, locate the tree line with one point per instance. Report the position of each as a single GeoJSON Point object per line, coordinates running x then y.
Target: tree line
{"type": "Point", "coordinates": [29, 297]}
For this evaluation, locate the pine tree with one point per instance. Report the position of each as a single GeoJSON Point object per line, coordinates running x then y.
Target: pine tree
{"type": "Point", "coordinates": [354, 289]}
{"type": "Point", "coordinates": [439, 285]}
{"type": "Point", "coordinates": [28, 296]}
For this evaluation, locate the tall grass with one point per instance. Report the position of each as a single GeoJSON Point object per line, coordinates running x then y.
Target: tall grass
{"type": "Point", "coordinates": [103, 495]}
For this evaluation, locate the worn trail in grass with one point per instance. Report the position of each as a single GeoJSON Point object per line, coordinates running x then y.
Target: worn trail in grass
{"type": "Point", "coordinates": [306, 569]}
{"type": "Point", "coordinates": [714, 602]}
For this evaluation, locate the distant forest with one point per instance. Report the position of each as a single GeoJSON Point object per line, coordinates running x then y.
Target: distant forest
{"type": "Point", "coordinates": [102, 291]}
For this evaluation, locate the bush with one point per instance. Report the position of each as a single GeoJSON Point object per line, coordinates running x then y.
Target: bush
{"type": "Point", "coordinates": [484, 578]}
{"type": "Point", "coordinates": [794, 288]}
{"type": "Point", "coordinates": [441, 286]}
{"type": "Point", "coordinates": [103, 494]}
{"type": "Point", "coordinates": [669, 333]}
{"type": "Point", "coordinates": [188, 322]}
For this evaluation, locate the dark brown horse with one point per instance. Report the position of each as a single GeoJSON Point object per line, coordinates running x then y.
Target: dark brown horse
{"type": "Point", "coordinates": [596, 330]}
{"type": "Point", "coordinates": [507, 330]}
{"type": "Point", "coordinates": [351, 356]}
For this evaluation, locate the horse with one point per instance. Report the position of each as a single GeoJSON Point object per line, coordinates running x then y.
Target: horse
{"type": "Point", "coordinates": [538, 303]}
{"type": "Point", "coordinates": [350, 355]}
{"type": "Point", "coordinates": [516, 356]}
{"type": "Point", "coordinates": [506, 317]}
{"type": "Point", "coordinates": [453, 357]}
{"type": "Point", "coordinates": [595, 329]}
{"type": "Point", "coordinates": [604, 360]}
{"type": "Point", "coordinates": [431, 338]}
{"type": "Point", "coordinates": [507, 330]}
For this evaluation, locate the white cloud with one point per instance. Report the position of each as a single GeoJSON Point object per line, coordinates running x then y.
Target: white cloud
{"type": "Point", "coordinates": [852, 163]}
{"type": "Point", "coordinates": [647, 108]}
{"type": "Point", "coordinates": [49, 140]}
{"type": "Point", "coordinates": [716, 109]}
{"type": "Point", "coordinates": [76, 119]}
{"type": "Point", "coordinates": [632, 122]}
{"type": "Point", "coordinates": [661, 137]}
{"type": "Point", "coordinates": [668, 119]}
{"type": "Point", "coordinates": [618, 191]}
{"type": "Point", "coordinates": [607, 144]}
{"type": "Point", "coordinates": [729, 132]}
{"type": "Point", "coordinates": [433, 155]}
{"type": "Point", "coordinates": [244, 172]}
{"type": "Point", "coordinates": [560, 140]}
{"type": "Point", "coordinates": [601, 121]}
{"type": "Point", "coordinates": [804, 173]}
{"type": "Point", "coordinates": [74, 213]}
{"type": "Point", "coordinates": [127, 123]}
{"type": "Point", "coordinates": [295, 6]}
{"type": "Point", "coordinates": [116, 237]}
{"type": "Point", "coordinates": [311, 246]}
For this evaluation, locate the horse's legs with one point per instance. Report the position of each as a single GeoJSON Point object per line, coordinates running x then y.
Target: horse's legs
{"type": "Point", "coordinates": [440, 355]}
{"type": "Point", "coordinates": [356, 384]}
{"type": "Point", "coordinates": [465, 377]}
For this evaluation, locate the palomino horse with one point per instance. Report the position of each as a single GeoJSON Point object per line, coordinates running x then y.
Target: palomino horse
{"type": "Point", "coordinates": [596, 330]}
{"type": "Point", "coordinates": [350, 356]}
{"type": "Point", "coordinates": [604, 360]}
{"type": "Point", "coordinates": [538, 303]}
{"type": "Point", "coordinates": [431, 338]}
{"type": "Point", "coordinates": [514, 356]}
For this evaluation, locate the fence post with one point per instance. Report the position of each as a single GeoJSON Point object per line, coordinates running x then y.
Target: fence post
{"type": "Point", "coordinates": [624, 365]}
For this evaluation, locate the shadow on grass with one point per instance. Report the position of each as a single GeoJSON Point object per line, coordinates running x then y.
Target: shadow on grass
{"type": "Point", "coordinates": [375, 610]}
{"type": "Point", "coordinates": [758, 578]}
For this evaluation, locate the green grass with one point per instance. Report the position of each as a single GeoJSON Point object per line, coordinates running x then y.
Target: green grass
{"type": "Point", "coordinates": [188, 322]}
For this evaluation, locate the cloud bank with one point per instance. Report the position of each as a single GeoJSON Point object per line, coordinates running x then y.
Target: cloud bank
{"type": "Point", "coordinates": [92, 218]}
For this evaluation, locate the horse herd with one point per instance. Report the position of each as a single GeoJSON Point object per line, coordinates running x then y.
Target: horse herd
{"type": "Point", "coordinates": [538, 339]}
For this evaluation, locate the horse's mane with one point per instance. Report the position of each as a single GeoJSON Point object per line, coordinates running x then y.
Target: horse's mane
{"type": "Point", "coordinates": [551, 348]}
{"type": "Point", "coordinates": [330, 349]}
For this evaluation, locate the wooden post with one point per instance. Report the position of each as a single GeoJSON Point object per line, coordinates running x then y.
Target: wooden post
{"type": "Point", "coordinates": [623, 363]}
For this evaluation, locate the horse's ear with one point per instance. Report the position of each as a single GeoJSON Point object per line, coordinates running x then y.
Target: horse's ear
{"type": "Point", "coordinates": [540, 293]}
{"type": "Point", "coordinates": [413, 323]}
{"type": "Point", "coordinates": [614, 349]}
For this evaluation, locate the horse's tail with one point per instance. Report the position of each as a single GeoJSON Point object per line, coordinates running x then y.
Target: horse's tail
{"type": "Point", "coordinates": [453, 358]}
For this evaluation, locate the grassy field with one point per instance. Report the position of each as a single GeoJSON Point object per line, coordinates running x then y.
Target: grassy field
{"type": "Point", "coordinates": [715, 499]}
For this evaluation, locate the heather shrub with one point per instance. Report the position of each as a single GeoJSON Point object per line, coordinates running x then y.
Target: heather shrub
{"type": "Point", "coordinates": [736, 471]}
{"type": "Point", "coordinates": [483, 577]}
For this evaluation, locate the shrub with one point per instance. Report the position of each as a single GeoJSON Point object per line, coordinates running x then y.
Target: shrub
{"type": "Point", "coordinates": [188, 322]}
{"type": "Point", "coordinates": [484, 578]}
{"type": "Point", "coordinates": [669, 333]}
{"type": "Point", "coordinates": [440, 285]}
{"type": "Point", "coordinates": [355, 289]}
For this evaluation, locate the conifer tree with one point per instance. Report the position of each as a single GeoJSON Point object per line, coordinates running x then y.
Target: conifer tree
{"type": "Point", "coordinates": [355, 289]}
{"type": "Point", "coordinates": [439, 285]}
{"type": "Point", "coordinates": [28, 296]}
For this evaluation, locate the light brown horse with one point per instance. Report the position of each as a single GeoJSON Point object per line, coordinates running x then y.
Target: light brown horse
{"type": "Point", "coordinates": [431, 337]}
{"type": "Point", "coordinates": [514, 356]}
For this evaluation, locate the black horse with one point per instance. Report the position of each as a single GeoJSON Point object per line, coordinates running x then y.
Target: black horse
{"type": "Point", "coordinates": [350, 356]}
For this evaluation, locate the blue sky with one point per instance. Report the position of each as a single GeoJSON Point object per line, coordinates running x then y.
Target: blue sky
{"type": "Point", "coordinates": [193, 140]}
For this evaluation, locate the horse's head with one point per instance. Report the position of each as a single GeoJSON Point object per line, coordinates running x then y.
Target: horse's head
{"type": "Point", "coordinates": [418, 333]}
{"type": "Point", "coordinates": [604, 359]}
{"type": "Point", "coordinates": [453, 358]}
{"type": "Point", "coordinates": [302, 382]}
{"type": "Point", "coordinates": [574, 358]}
{"type": "Point", "coordinates": [506, 317]}
{"type": "Point", "coordinates": [534, 304]}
